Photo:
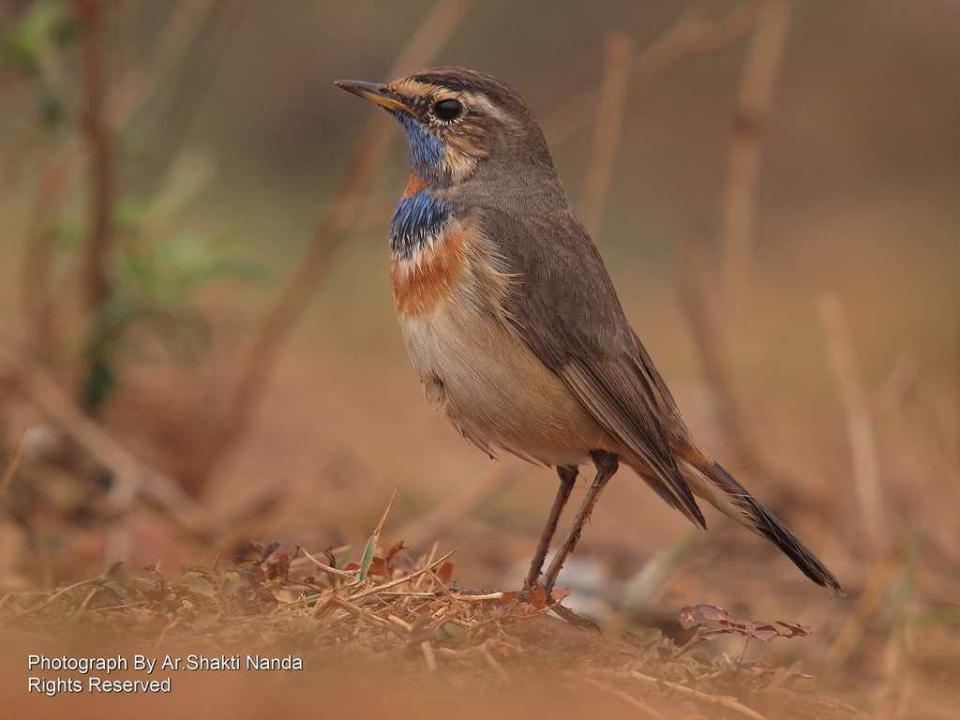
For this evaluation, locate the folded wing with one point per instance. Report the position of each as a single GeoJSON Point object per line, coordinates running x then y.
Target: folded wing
{"type": "Point", "coordinates": [565, 309]}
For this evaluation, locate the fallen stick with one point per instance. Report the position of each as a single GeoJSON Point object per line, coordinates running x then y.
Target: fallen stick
{"type": "Point", "coordinates": [619, 694]}
{"type": "Point", "coordinates": [400, 581]}
{"type": "Point", "coordinates": [132, 478]}
{"type": "Point", "coordinates": [723, 701]}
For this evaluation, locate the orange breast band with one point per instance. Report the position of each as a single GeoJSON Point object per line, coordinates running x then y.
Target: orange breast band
{"type": "Point", "coordinates": [423, 280]}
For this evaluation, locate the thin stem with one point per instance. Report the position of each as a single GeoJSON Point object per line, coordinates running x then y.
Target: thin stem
{"type": "Point", "coordinates": [94, 281]}
{"type": "Point", "coordinates": [606, 129]}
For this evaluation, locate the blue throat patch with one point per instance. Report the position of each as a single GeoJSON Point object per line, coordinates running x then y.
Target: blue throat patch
{"type": "Point", "coordinates": [416, 218]}
{"type": "Point", "coordinates": [426, 150]}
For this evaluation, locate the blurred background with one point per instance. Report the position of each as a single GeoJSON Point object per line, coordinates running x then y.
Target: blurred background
{"type": "Point", "coordinates": [198, 344]}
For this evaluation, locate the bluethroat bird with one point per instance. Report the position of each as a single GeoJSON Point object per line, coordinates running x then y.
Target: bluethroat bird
{"type": "Point", "coordinates": [513, 324]}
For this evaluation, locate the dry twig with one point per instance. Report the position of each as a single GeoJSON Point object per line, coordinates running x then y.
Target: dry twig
{"type": "Point", "coordinates": [739, 212]}
{"type": "Point", "coordinates": [625, 697]}
{"type": "Point", "coordinates": [483, 641]}
{"type": "Point", "coordinates": [606, 129]}
{"type": "Point", "coordinates": [692, 34]}
{"type": "Point", "coordinates": [706, 330]}
{"type": "Point", "coordinates": [401, 580]}
{"type": "Point", "coordinates": [852, 632]}
{"type": "Point", "coordinates": [99, 150]}
{"type": "Point", "coordinates": [132, 478]}
{"type": "Point", "coordinates": [185, 25]}
{"type": "Point", "coordinates": [35, 279]}
{"type": "Point", "coordinates": [722, 701]}
{"type": "Point", "coordinates": [429, 657]}
{"type": "Point", "coordinates": [56, 596]}
{"type": "Point", "coordinates": [12, 466]}
{"type": "Point", "coordinates": [106, 112]}
{"type": "Point", "coordinates": [863, 445]}
{"type": "Point", "coordinates": [330, 570]}
{"type": "Point", "coordinates": [743, 164]}
{"type": "Point", "coordinates": [711, 345]}
{"type": "Point", "coordinates": [211, 34]}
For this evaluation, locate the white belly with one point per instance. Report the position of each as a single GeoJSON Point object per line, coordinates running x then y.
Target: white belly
{"type": "Point", "coordinates": [494, 389]}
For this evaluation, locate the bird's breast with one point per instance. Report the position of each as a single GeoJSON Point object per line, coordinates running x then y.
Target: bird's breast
{"type": "Point", "coordinates": [430, 272]}
{"type": "Point", "coordinates": [450, 294]}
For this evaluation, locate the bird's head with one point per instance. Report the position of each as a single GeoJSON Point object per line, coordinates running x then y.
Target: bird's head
{"type": "Point", "coordinates": [455, 119]}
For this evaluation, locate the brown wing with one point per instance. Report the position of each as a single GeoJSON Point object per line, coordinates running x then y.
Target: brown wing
{"type": "Point", "coordinates": [566, 309]}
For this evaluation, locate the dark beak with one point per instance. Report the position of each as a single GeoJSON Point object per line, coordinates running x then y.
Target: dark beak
{"type": "Point", "coordinates": [376, 93]}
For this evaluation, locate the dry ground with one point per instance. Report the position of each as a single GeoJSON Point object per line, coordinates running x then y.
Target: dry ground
{"type": "Point", "coordinates": [405, 639]}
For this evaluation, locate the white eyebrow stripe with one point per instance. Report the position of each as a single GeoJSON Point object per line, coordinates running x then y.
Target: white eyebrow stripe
{"type": "Point", "coordinates": [472, 99]}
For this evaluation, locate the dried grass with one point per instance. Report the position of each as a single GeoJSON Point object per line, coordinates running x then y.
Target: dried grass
{"type": "Point", "coordinates": [386, 608]}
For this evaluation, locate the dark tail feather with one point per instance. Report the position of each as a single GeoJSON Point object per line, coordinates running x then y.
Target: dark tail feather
{"type": "Point", "coordinates": [732, 499]}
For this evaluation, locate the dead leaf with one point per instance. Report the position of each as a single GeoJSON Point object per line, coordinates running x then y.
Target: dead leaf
{"type": "Point", "coordinates": [287, 595]}
{"type": "Point", "coordinates": [277, 567]}
{"type": "Point", "coordinates": [445, 572]}
{"type": "Point", "coordinates": [380, 567]}
{"type": "Point", "coordinates": [392, 552]}
{"type": "Point", "coordinates": [712, 620]}
{"type": "Point", "coordinates": [694, 615]}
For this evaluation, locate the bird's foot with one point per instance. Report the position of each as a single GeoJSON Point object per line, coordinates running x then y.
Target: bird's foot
{"type": "Point", "coordinates": [532, 594]}
{"type": "Point", "coordinates": [575, 619]}
{"type": "Point", "coordinates": [539, 597]}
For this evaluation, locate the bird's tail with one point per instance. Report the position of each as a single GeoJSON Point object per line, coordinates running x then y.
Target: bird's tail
{"type": "Point", "coordinates": [709, 480]}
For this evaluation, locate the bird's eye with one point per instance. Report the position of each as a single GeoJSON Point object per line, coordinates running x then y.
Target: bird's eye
{"type": "Point", "coordinates": [448, 109]}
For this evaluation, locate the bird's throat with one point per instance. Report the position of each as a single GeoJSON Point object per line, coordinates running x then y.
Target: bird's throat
{"type": "Point", "coordinates": [418, 219]}
{"type": "Point", "coordinates": [426, 149]}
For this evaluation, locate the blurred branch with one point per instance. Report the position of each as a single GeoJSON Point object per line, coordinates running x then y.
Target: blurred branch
{"type": "Point", "coordinates": [754, 100]}
{"type": "Point", "coordinates": [692, 34]}
{"type": "Point", "coordinates": [853, 630]}
{"type": "Point", "coordinates": [12, 464]}
{"type": "Point", "coordinates": [692, 284]}
{"type": "Point", "coordinates": [35, 280]}
{"type": "Point", "coordinates": [643, 588]}
{"type": "Point", "coordinates": [189, 20]}
{"type": "Point", "coordinates": [106, 111]}
{"type": "Point", "coordinates": [727, 703]}
{"type": "Point", "coordinates": [96, 135]}
{"type": "Point", "coordinates": [642, 709]}
{"type": "Point", "coordinates": [694, 281]}
{"type": "Point", "coordinates": [863, 446]}
{"type": "Point", "coordinates": [901, 381]}
{"type": "Point", "coordinates": [369, 150]}
{"type": "Point", "coordinates": [606, 129]}
{"type": "Point", "coordinates": [216, 28]}
{"type": "Point", "coordinates": [717, 352]}
{"type": "Point", "coordinates": [132, 479]}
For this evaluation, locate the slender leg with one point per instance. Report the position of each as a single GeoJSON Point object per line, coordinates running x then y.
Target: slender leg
{"type": "Point", "coordinates": [568, 476]}
{"type": "Point", "coordinates": [606, 464]}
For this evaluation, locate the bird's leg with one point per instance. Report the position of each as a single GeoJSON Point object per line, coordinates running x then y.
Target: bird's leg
{"type": "Point", "coordinates": [606, 464]}
{"type": "Point", "coordinates": [568, 476]}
